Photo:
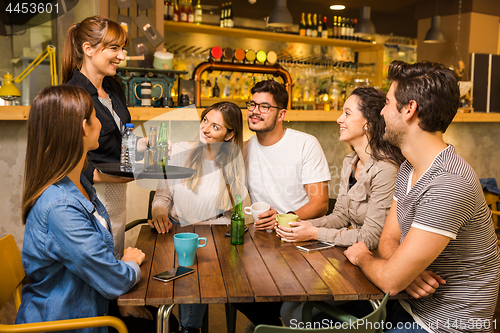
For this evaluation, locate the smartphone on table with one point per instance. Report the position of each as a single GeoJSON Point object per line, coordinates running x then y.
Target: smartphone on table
{"type": "Point", "coordinates": [173, 274]}
{"type": "Point", "coordinates": [314, 246]}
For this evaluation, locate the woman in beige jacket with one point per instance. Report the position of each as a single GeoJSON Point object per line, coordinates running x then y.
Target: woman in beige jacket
{"type": "Point", "coordinates": [367, 179]}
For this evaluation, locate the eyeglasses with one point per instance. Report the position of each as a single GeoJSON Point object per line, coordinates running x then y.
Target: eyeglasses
{"type": "Point", "coordinates": [263, 107]}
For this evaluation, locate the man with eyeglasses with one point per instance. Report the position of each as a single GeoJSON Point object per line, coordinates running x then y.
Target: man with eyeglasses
{"type": "Point", "coordinates": [285, 168]}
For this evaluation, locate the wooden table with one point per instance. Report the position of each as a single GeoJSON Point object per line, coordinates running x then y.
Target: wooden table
{"type": "Point", "coordinates": [263, 269]}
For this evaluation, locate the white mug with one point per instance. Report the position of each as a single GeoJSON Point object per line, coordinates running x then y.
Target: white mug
{"type": "Point", "coordinates": [256, 209]}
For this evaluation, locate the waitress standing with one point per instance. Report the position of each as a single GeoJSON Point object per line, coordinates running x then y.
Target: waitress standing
{"type": "Point", "coordinates": [92, 51]}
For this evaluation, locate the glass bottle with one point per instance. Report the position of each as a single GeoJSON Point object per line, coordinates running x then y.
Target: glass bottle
{"type": "Point", "coordinates": [230, 21]}
{"type": "Point", "coordinates": [162, 148]}
{"type": "Point", "coordinates": [190, 11]}
{"type": "Point", "coordinates": [319, 25]}
{"type": "Point", "coordinates": [183, 15]}
{"type": "Point", "coordinates": [309, 26]}
{"type": "Point", "coordinates": [127, 156]}
{"type": "Point", "coordinates": [222, 15]}
{"type": "Point", "coordinates": [324, 30]}
{"type": "Point", "coordinates": [237, 223]}
{"type": "Point", "coordinates": [151, 158]}
{"type": "Point", "coordinates": [342, 29]}
{"type": "Point", "coordinates": [314, 28]}
{"type": "Point", "coordinates": [336, 27]}
{"type": "Point", "coordinates": [216, 90]}
{"type": "Point", "coordinates": [169, 10]}
{"type": "Point", "coordinates": [198, 13]}
{"type": "Point", "coordinates": [302, 26]}
{"type": "Point", "coordinates": [175, 16]}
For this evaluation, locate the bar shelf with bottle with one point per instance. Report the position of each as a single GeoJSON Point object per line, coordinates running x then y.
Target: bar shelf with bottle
{"type": "Point", "coordinates": [271, 36]}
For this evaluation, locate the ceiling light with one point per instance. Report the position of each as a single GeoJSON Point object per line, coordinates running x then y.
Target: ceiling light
{"type": "Point", "coordinates": [337, 7]}
{"type": "Point", "coordinates": [280, 16]}
{"type": "Point", "coordinates": [365, 25]}
{"type": "Point", "coordinates": [435, 33]}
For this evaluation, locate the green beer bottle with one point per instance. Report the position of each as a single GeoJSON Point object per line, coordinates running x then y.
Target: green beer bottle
{"type": "Point", "coordinates": [162, 148]}
{"type": "Point", "coordinates": [237, 223]}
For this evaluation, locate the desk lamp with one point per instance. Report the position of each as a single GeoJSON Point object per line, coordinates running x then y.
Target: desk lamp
{"type": "Point", "coordinates": [10, 92]}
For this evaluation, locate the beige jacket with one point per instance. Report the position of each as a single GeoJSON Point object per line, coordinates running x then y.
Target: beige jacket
{"type": "Point", "coordinates": [364, 207]}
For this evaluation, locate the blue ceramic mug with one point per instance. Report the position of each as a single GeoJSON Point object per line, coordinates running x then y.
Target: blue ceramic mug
{"type": "Point", "coordinates": [186, 244]}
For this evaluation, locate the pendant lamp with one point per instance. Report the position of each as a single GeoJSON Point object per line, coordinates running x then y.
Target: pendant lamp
{"type": "Point", "coordinates": [365, 25]}
{"type": "Point", "coordinates": [435, 33]}
{"type": "Point", "coordinates": [280, 16]}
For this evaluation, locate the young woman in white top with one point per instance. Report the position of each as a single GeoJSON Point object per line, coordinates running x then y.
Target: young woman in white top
{"type": "Point", "coordinates": [205, 196]}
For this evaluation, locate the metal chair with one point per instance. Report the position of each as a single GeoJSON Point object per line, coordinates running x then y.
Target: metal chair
{"type": "Point", "coordinates": [371, 323]}
{"type": "Point", "coordinates": [142, 221]}
{"type": "Point", "coordinates": [11, 284]}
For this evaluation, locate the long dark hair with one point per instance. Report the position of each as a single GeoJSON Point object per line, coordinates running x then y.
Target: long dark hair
{"type": "Point", "coordinates": [227, 159]}
{"type": "Point", "coordinates": [97, 31]}
{"type": "Point", "coordinates": [55, 139]}
{"type": "Point", "coordinates": [371, 102]}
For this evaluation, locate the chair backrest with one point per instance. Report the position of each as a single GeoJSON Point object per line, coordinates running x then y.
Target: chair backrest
{"type": "Point", "coordinates": [12, 275]}
{"type": "Point", "coordinates": [372, 323]}
{"type": "Point", "coordinates": [150, 205]}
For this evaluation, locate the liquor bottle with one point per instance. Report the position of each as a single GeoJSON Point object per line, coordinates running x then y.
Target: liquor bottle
{"type": "Point", "coordinates": [216, 89]}
{"type": "Point", "coordinates": [169, 10]}
{"type": "Point", "coordinates": [206, 89]}
{"type": "Point", "coordinates": [302, 26]}
{"type": "Point", "coordinates": [162, 148]}
{"type": "Point", "coordinates": [127, 156]}
{"type": "Point", "coordinates": [335, 29]}
{"type": "Point", "coordinates": [349, 30]}
{"type": "Point", "coordinates": [354, 22]}
{"type": "Point", "coordinates": [151, 156]}
{"type": "Point", "coordinates": [309, 26]}
{"type": "Point", "coordinates": [198, 13]}
{"type": "Point", "coordinates": [175, 15]}
{"type": "Point", "coordinates": [230, 21]}
{"type": "Point", "coordinates": [319, 26]}
{"type": "Point", "coordinates": [315, 26]}
{"type": "Point", "coordinates": [190, 11]}
{"type": "Point", "coordinates": [183, 15]}
{"type": "Point", "coordinates": [237, 223]}
{"type": "Point", "coordinates": [342, 29]}
{"type": "Point", "coordinates": [324, 30]}
{"type": "Point", "coordinates": [222, 15]}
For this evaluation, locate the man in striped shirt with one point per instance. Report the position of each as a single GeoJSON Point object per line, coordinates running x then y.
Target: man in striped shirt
{"type": "Point", "coordinates": [438, 237]}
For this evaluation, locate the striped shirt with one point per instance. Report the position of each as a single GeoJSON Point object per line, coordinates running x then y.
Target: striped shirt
{"type": "Point", "coordinates": [448, 200]}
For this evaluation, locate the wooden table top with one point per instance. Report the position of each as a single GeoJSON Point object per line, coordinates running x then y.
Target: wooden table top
{"type": "Point", "coordinates": [263, 269]}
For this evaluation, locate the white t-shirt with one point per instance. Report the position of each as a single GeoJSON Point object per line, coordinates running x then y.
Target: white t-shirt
{"type": "Point", "coordinates": [277, 174]}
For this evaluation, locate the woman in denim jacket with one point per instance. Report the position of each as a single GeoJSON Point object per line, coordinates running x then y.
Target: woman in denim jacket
{"type": "Point", "coordinates": [68, 248]}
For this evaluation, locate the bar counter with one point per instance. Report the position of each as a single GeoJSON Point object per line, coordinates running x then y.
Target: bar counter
{"type": "Point", "coordinates": [147, 113]}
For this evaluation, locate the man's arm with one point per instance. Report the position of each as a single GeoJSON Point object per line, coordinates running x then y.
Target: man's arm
{"type": "Point", "coordinates": [391, 235]}
{"type": "Point", "coordinates": [418, 250]}
{"type": "Point", "coordinates": [316, 207]}
{"type": "Point", "coordinates": [318, 201]}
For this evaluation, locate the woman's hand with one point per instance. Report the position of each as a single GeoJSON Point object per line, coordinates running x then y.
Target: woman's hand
{"type": "Point", "coordinates": [161, 223]}
{"type": "Point", "coordinates": [302, 231]}
{"type": "Point", "coordinates": [142, 144]}
{"type": "Point", "coordinates": [134, 254]}
{"type": "Point", "coordinates": [135, 311]}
